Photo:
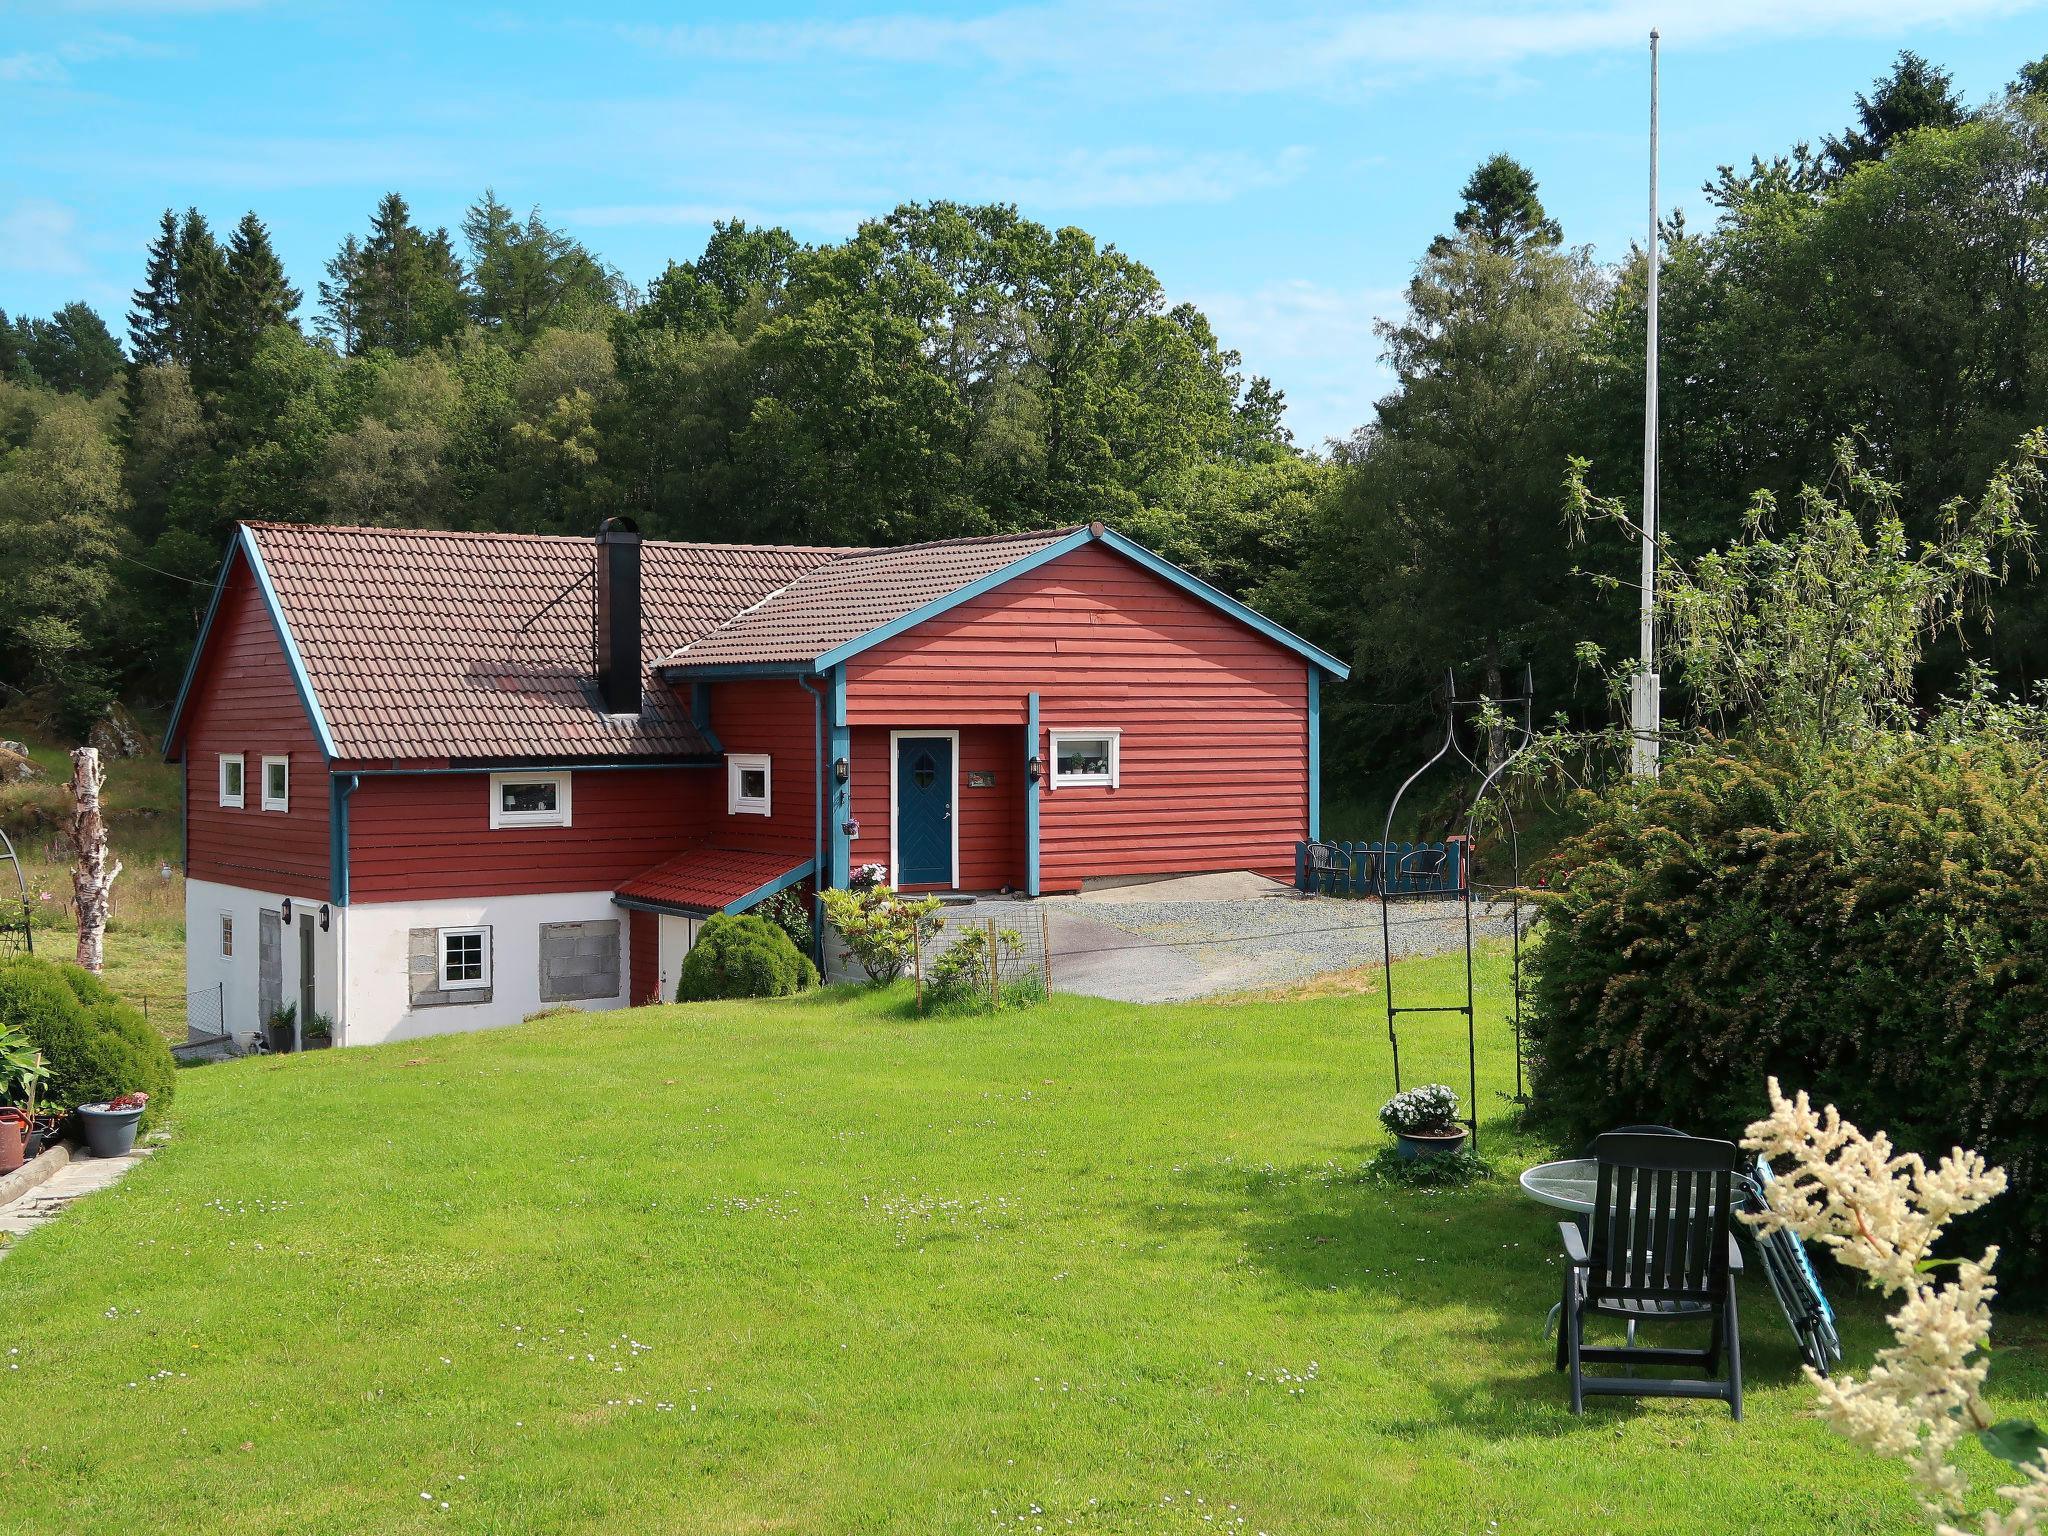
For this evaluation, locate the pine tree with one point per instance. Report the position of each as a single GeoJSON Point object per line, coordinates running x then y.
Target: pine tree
{"type": "Point", "coordinates": [1916, 94]}
{"type": "Point", "coordinates": [153, 322]}
{"type": "Point", "coordinates": [412, 291]}
{"type": "Point", "coordinates": [341, 297]}
{"type": "Point", "coordinates": [258, 296]}
{"type": "Point", "coordinates": [201, 322]}
{"type": "Point", "coordinates": [1502, 208]}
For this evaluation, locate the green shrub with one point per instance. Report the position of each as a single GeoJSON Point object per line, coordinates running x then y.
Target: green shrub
{"type": "Point", "coordinates": [790, 910]}
{"type": "Point", "coordinates": [745, 956]}
{"type": "Point", "coordinates": [95, 1046]}
{"type": "Point", "coordinates": [880, 929]}
{"type": "Point", "coordinates": [961, 975]}
{"type": "Point", "coordinates": [1869, 925]}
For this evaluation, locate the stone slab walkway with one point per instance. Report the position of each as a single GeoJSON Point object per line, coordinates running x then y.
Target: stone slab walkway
{"type": "Point", "coordinates": [76, 1179]}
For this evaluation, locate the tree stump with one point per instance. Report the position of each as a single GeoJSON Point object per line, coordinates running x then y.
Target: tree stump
{"type": "Point", "coordinates": [93, 875]}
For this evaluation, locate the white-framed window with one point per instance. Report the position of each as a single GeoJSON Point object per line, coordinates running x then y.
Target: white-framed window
{"type": "Point", "coordinates": [465, 958]}
{"type": "Point", "coordinates": [746, 784]}
{"type": "Point", "coordinates": [1086, 757]}
{"type": "Point", "coordinates": [231, 779]}
{"type": "Point", "coordinates": [227, 935]}
{"type": "Point", "coordinates": [277, 783]}
{"type": "Point", "coordinates": [530, 800]}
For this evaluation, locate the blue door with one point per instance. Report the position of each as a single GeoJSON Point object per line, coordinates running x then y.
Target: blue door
{"type": "Point", "coordinates": [924, 810]}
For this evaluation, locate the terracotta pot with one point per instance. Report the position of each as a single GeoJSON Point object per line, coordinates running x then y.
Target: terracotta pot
{"type": "Point", "coordinates": [1414, 1144]}
{"type": "Point", "coordinates": [11, 1127]}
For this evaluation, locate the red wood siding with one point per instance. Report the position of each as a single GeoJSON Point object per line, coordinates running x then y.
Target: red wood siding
{"type": "Point", "coordinates": [426, 837]}
{"type": "Point", "coordinates": [776, 716]}
{"type": "Point", "coordinates": [643, 942]}
{"type": "Point", "coordinates": [1214, 771]}
{"type": "Point", "coordinates": [243, 700]}
{"type": "Point", "coordinates": [991, 820]}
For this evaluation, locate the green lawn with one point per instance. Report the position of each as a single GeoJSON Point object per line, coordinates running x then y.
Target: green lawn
{"type": "Point", "coordinates": [819, 1266]}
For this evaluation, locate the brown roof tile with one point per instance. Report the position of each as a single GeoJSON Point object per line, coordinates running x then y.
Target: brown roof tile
{"type": "Point", "coordinates": [852, 595]}
{"type": "Point", "coordinates": [708, 879]}
{"type": "Point", "coordinates": [425, 644]}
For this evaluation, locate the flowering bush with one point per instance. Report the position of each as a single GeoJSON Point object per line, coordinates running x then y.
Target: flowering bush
{"type": "Point", "coordinates": [881, 930]}
{"type": "Point", "coordinates": [1431, 1110]}
{"type": "Point", "coordinates": [1883, 1212]}
{"type": "Point", "coordinates": [136, 1100]}
{"type": "Point", "coordinates": [867, 876]}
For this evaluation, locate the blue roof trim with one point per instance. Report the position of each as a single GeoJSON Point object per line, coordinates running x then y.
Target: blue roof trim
{"type": "Point", "coordinates": [220, 587]}
{"type": "Point", "coordinates": [291, 647]}
{"type": "Point", "coordinates": [1230, 605]}
{"type": "Point", "coordinates": [953, 599]}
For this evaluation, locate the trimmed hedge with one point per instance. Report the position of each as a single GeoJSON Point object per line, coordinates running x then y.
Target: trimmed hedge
{"type": "Point", "coordinates": [96, 1046]}
{"type": "Point", "coordinates": [1871, 927]}
{"type": "Point", "coordinates": [744, 956]}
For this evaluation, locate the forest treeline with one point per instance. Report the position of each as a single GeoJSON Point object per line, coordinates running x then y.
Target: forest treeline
{"type": "Point", "coordinates": [951, 370]}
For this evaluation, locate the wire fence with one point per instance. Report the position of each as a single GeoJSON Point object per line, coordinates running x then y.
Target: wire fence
{"type": "Point", "coordinates": [980, 965]}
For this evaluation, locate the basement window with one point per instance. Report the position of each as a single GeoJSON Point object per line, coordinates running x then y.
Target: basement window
{"type": "Point", "coordinates": [746, 784]}
{"type": "Point", "coordinates": [465, 959]}
{"type": "Point", "coordinates": [529, 800]}
{"type": "Point", "coordinates": [1082, 758]}
{"type": "Point", "coordinates": [277, 783]}
{"type": "Point", "coordinates": [227, 936]}
{"type": "Point", "coordinates": [231, 779]}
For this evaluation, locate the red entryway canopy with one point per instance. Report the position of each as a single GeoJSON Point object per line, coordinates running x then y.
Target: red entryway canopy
{"type": "Point", "coordinates": [706, 880]}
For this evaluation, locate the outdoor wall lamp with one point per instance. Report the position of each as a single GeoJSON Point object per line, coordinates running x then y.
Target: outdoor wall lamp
{"type": "Point", "coordinates": [284, 910]}
{"type": "Point", "coordinates": [1034, 768]}
{"type": "Point", "coordinates": [841, 770]}
{"type": "Point", "coordinates": [326, 916]}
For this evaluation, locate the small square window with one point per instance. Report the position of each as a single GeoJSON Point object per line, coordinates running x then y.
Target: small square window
{"type": "Point", "coordinates": [529, 799]}
{"type": "Point", "coordinates": [277, 783]}
{"type": "Point", "coordinates": [1085, 757]}
{"type": "Point", "coordinates": [747, 782]}
{"type": "Point", "coordinates": [465, 958]}
{"type": "Point", "coordinates": [231, 780]}
{"type": "Point", "coordinates": [227, 936]}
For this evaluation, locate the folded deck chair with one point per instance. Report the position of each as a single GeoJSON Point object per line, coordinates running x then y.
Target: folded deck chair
{"type": "Point", "coordinates": [1661, 1250]}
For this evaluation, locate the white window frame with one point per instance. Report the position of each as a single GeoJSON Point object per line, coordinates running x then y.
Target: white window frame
{"type": "Point", "coordinates": [227, 935]}
{"type": "Point", "coordinates": [560, 816]}
{"type": "Point", "coordinates": [441, 938]}
{"type": "Point", "coordinates": [1111, 780]}
{"type": "Point", "coordinates": [737, 804]}
{"type": "Point", "coordinates": [241, 792]}
{"type": "Point", "coordinates": [281, 802]}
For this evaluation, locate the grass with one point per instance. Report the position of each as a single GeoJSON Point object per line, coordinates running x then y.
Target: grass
{"type": "Point", "coordinates": [146, 930]}
{"type": "Point", "coordinates": [821, 1266]}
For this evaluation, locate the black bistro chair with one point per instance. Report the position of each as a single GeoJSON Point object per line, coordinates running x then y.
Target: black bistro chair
{"type": "Point", "coordinates": [1661, 1249]}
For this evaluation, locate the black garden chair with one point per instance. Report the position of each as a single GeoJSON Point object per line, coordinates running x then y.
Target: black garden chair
{"type": "Point", "coordinates": [1661, 1249]}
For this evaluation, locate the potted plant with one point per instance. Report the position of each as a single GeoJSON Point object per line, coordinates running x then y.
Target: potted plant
{"type": "Point", "coordinates": [1424, 1121]}
{"type": "Point", "coordinates": [281, 1028]}
{"type": "Point", "coordinates": [110, 1127]}
{"type": "Point", "coordinates": [319, 1032]}
{"type": "Point", "coordinates": [21, 1069]}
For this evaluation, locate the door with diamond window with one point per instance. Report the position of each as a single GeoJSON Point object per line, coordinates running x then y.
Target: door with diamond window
{"type": "Point", "coordinates": [924, 810]}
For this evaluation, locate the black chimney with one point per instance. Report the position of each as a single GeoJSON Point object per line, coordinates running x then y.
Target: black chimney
{"type": "Point", "coordinates": [618, 616]}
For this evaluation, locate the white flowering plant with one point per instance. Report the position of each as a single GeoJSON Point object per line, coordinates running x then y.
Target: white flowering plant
{"type": "Point", "coordinates": [1431, 1110]}
{"type": "Point", "coordinates": [1882, 1212]}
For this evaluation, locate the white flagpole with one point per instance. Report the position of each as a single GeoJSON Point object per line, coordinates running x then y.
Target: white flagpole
{"type": "Point", "coordinates": [1646, 702]}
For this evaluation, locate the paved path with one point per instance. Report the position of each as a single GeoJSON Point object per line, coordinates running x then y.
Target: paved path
{"type": "Point", "coordinates": [1152, 944]}
{"type": "Point", "coordinates": [79, 1177]}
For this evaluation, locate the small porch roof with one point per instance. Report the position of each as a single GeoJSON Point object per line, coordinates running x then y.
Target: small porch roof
{"type": "Point", "coordinates": [701, 881]}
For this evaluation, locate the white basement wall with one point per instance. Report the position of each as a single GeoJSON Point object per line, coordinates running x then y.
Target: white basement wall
{"type": "Point", "coordinates": [378, 1005]}
{"type": "Point", "coordinates": [236, 975]}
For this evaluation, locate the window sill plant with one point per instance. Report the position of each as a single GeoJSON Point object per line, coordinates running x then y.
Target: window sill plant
{"type": "Point", "coordinates": [110, 1127]}
{"type": "Point", "coordinates": [1424, 1121]}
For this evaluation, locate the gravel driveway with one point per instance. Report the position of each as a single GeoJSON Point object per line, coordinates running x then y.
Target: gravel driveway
{"type": "Point", "coordinates": [1155, 951]}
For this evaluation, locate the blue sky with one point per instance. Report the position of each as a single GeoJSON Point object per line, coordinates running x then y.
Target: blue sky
{"type": "Point", "coordinates": [1281, 165]}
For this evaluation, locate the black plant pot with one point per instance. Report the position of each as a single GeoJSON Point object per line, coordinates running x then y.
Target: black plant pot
{"type": "Point", "coordinates": [277, 1038]}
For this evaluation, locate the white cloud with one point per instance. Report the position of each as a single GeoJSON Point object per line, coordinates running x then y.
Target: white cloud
{"type": "Point", "coordinates": [52, 66]}
{"type": "Point", "coordinates": [42, 237]}
{"type": "Point", "coordinates": [1204, 47]}
{"type": "Point", "coordinates": [832, 221]}
{"type": "Point", "coordinates": [1315, 342]}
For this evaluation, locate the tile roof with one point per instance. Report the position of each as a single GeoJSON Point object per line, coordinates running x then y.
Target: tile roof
{"type": "Point", "coordinates": [425, 644]}
{"type": "Point", "coordinates": [852, 595]}
{"type": "Point", "coordinates": [711, 879]}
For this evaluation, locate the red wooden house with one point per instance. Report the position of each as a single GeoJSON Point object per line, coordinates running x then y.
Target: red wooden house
{"type": "Point", "coordinates": [440, 780]}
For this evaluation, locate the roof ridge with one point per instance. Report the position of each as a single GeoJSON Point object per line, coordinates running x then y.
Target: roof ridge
{"type": "Point", "coordinates": [1018, 536]}
{"type": "Point", "coordinates": [264, 525]}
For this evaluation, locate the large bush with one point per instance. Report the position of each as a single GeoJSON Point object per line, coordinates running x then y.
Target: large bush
{"type": "Point", "coordinates": [745, 956]}
{"type": "Point", "coordinates": [1869, 925]}
{"type": "Point", "coordinates": [95, 1045]}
